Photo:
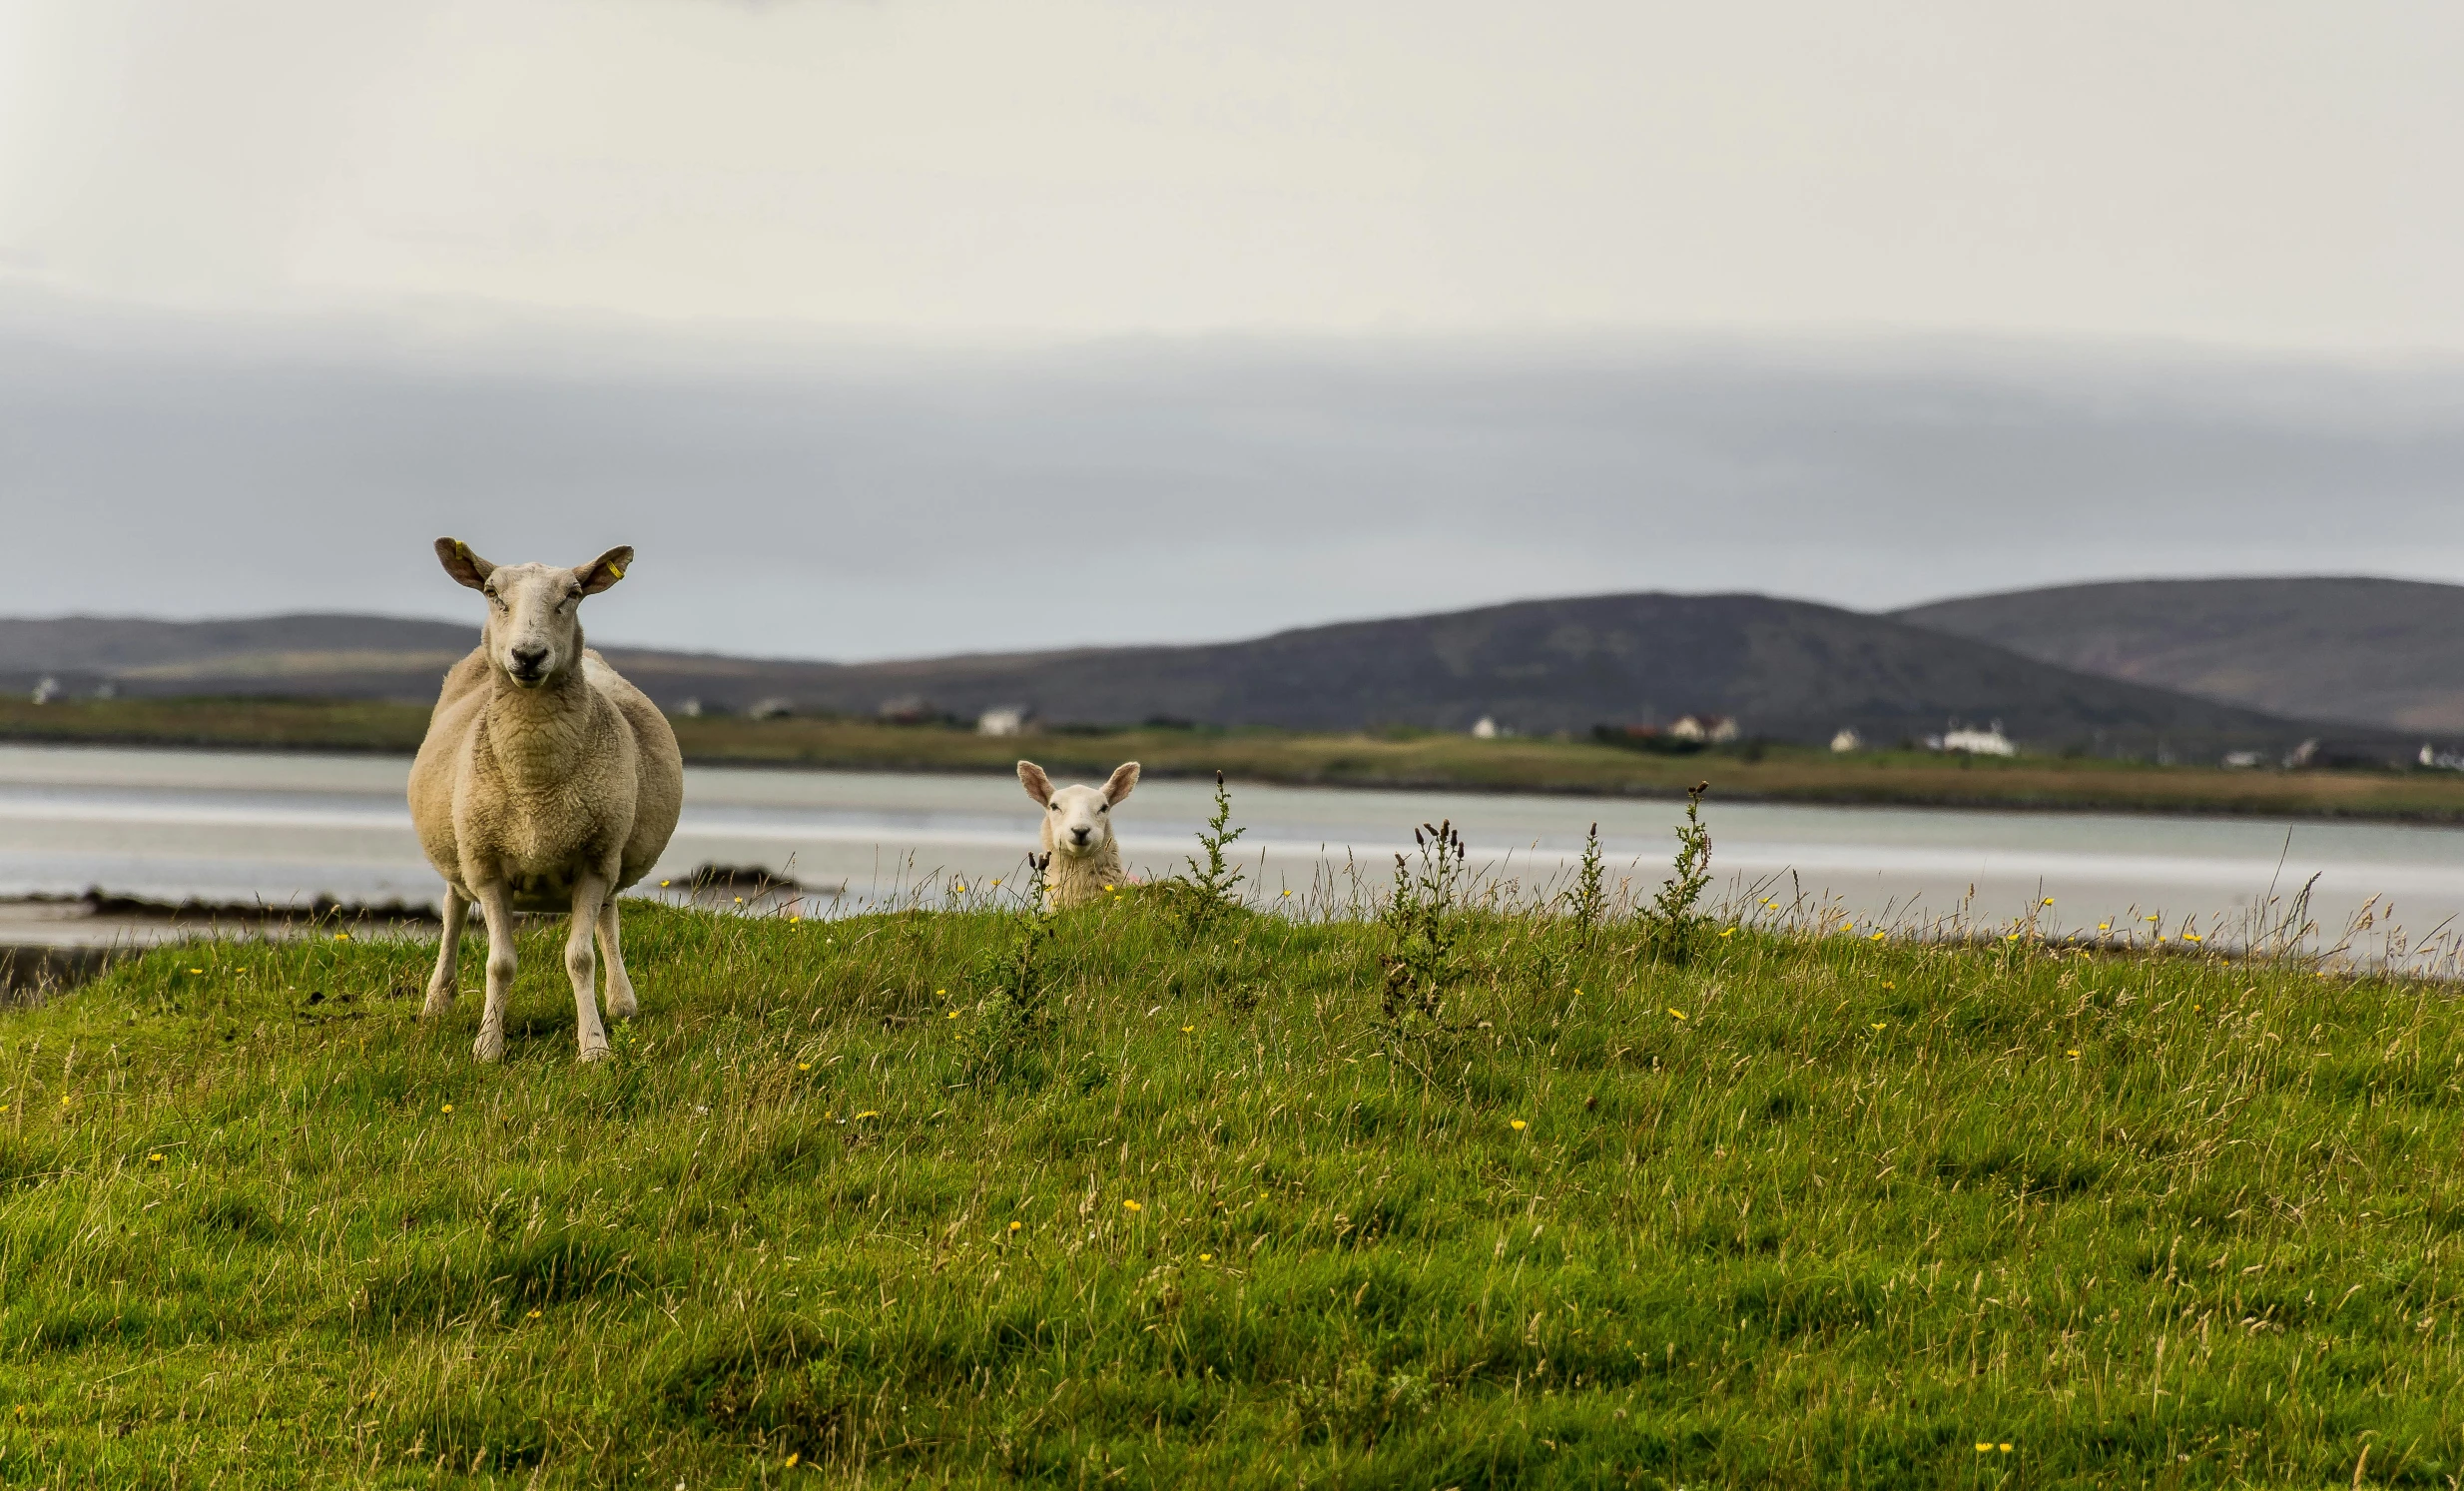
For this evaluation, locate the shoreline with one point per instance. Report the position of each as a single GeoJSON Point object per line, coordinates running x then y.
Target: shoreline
{"type": "Point", "coordinates": [1399, 762]}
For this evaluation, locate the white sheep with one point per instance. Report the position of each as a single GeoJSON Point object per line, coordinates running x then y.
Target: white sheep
{"type": "Point", "coordinates": [1078, 833]}
{"type": "Point", "coordinates": [546, 783]}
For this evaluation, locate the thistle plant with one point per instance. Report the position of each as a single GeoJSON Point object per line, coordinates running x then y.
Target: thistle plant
{"type": "Point", "coordinates": [1208, 891]}
{"type": "Point", "coordinates": [1674, 925]}
{"type": "Point", "coordinates": [1015, 1011]}
{"type": "Point", "coordinates": [1421, 959]}
{"type": "Point", "coordinates": [1587, 901]}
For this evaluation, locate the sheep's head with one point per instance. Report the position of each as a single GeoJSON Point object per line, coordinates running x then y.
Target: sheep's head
{"type": "Point", "coordinates": [534, 624]}
{"type": "Point", "coordinates": [1080, 817]}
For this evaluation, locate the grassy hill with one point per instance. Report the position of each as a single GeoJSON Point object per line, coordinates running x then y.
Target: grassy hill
{"type": "Point", "coordinates": [1788, 670]}
{"type": "Point", "coordinates": [1811, 1210]}
{"type": "Point", "coordinates": [2376, 652]}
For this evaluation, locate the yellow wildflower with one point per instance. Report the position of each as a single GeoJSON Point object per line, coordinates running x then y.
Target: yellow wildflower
{"type": "Point", "coordinates": [1679, 1014]}
{"type": "Point", "coordinates": [448, 1107]}
{"type": "Point", "coordinates": [1206, 1257]}
{"type": "Point", "coordinates": [154, 1158]}
{"type": "Point", "coordinates": [1516, 1124]}
{"type": "Point", "coordinates": [870, 1113]}
{"type": "Point", "coordinates": [1131, 1207]}
{"type": "Point", "coordinates": [1729, 931]}
{"type": "Point", "coordinates": [1016, 1225]}
{"type": "Point", "coordinates": [342, 936]}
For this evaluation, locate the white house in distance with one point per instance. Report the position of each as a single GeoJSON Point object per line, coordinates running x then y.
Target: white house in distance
{"type": "Point", "coordinates": [1003, 720]}
{"type": "Point", "coordinates": [1989, 741]}
{"type": "Point", "coordinates": [1847, 740]}
{"type": "Point", "coordinates": [1714, 729]}
{"type": "Point", "coordinates": [1484, 729]}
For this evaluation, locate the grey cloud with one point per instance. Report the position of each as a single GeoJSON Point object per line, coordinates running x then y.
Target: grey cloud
{"type": "Point", "coordinates": [848, 503]}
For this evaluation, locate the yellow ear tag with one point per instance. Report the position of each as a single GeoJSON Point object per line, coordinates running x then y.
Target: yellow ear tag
{"type": "Point", "coordinates": [616, 571]}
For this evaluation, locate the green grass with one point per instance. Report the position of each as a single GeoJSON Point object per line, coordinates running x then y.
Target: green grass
{"type": "Point", "coordinates": [1397, 759]}
{"type": "Point", "coordinates": [1861, 1208]}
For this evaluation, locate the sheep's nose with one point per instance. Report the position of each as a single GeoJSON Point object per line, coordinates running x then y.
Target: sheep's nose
{"type": "Point", "coordinates": [1080, 834]}
{"type": "Point", "coordinates": [529, 659]}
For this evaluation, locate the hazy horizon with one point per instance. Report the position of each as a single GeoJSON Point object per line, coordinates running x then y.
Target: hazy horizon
{"type": "Point", "coordinates": [904, 327]}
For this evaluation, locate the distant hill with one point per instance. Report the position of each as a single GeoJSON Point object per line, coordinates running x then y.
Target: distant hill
{"type": "Point", "coordinates": [1785, 669]}
{"type": "Point", "coordinates": [2388, 653]}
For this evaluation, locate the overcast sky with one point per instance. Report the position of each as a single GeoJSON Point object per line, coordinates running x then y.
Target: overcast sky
{"type": "Point", "coordinates": [896, 326]}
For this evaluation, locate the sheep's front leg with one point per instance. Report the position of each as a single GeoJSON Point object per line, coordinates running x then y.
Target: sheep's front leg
{"type": "Point", "coordinates": [589, 895]}
{"type": "Point", "coordinates": [621, 1005]}
{"type": "Point", "coordinates": [497, 908]}
{"type": "Point", "coordinates": [441, 985]}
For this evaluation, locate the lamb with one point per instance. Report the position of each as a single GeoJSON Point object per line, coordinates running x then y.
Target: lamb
{"type": "Point", "coordinates": [546, 783]}
{"type": "Point", "coordinates": [1085, 860]}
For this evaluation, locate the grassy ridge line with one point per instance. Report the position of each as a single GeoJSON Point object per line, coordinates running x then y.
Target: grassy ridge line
{"type": "Point", "coordinates": [1430, 761]}
{"type": "Point", "coordinates": [1813, 1210]}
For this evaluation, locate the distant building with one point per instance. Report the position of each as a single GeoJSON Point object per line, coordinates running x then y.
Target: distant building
{"type": "Point", "coordinates": [691, 708]}
{"type": "Point", "coordinates": [1714, 729]}
{"type": "Point", "coordinates": [47, 691]}
{"type": "Point", "coordinates": [2244, 760]}
{"type": "Point", "coordinates": [770, 709]}
{"type": "Point", "coordinates": [1486, 729]}
{"type": "Point", "coordinates": [1847, 740]}
{"type": "Point", "coordinates": [107, 690]}
{"type": "Point", "coordinates": [1989, 741]}
{"type": "Point", "coordinates": [1005, 720]}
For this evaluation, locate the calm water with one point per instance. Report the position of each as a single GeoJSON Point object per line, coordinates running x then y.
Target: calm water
{"type": "Point", "coordinates": [283, 828]}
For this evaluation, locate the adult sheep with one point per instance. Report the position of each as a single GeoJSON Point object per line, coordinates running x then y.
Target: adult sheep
{"type": "Point", "coordinates": [546, 783]}
{"type": "Point", "coordinates": [1085, 860]}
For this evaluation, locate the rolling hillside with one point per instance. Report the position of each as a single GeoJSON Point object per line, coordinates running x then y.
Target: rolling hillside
{"type": "Point", "coordinates": [2386, 653]}
{"type": "Point", "coordinates": [1785, 669]}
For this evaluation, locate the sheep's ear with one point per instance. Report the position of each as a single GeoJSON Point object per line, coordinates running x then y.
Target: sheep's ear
{"type": "Point", "coordinates": [1124, 777]}
{"type": "Point", "coordinates": [462, 564]}
{"type": "Point", "coordinates": [605, 570]}
{"type": "Point", "coordinates": [1037, 785]}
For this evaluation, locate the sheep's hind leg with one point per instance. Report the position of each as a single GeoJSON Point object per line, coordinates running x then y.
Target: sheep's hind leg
{"type": "Point", "coordinates": [621, 1005]}
{"type": "Point", "coordinates": [589, 895]}
{"type": "Point", "coordinates": [497, 908]}
{"type": "Point", "coordinates": [441, 984]}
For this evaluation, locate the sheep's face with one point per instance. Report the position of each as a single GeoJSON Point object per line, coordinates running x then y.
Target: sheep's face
{"type": "Point", "coordinates": [1078, 820]}
{"type": "Point", "coordinates": [534, 624]}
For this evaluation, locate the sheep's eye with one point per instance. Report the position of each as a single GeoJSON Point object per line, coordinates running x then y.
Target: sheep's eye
{"type": "Point", "coordinates": [1107, 808]}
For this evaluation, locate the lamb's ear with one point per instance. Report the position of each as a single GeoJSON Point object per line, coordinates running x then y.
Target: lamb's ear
{"type": "Point", "coordinates": [1124, 777]}
{"type": "Point", "coordinates": [462, 564]}
{"type": "Point", "coordinates": [1037, 785]}
{"type": "Point", "coordinates": [605, 570]}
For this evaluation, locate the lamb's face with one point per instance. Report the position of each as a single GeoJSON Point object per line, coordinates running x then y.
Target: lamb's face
{"type": "Point", "coordinates": [534, 624]}
{"type": "Point", "coordinates": [1081, 820]}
